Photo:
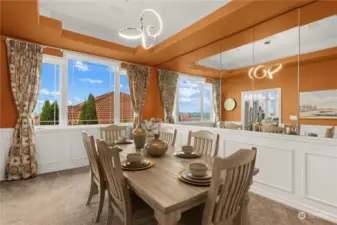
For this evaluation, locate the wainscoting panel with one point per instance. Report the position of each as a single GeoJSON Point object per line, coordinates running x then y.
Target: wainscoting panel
{"type": "Point", "coordinates": [322, 170]}
{"type": "Point", "coordinates": [295, 170]}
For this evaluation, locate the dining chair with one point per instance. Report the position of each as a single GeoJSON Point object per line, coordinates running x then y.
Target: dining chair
{"type": "Point", "coordinates": [233, 126]}
{"type": "Point", "coordinates": [231, 178]}
{"type": "Point", "coordinates": [204, 142]}
{"type": "Point", "coordinates": [330, 132]}
{"type": "Point", "coordinates": [97, 184]}
{"type": "Point", "coordinates": [168, 134]}
{"type": "Point", "coordinates": [112, 132]}
{"type": "Point", "coordinates": [273, 129]}
{"type": "Point", "coordinates": [291, 129]}
{"type": "Point", "coordinates": [123, 203]}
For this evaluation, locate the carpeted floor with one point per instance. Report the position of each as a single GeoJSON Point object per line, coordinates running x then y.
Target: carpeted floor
{"type": "Point", "coordinates": [59, 199]}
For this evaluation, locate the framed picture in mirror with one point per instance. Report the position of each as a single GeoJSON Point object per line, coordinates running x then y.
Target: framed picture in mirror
{"type": "Point", "coordinates": [229, 104]}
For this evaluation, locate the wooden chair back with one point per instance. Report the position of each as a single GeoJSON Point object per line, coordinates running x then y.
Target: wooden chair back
{"type": "Point", "coordinates": [233, 126]}
{"type": "Point", "coordinates": [231, 178]}
{"type": "Point", "coordinates": [90, 148]}
{"type": "Point", "coordinates": [204, 142]}
{"type": "Point", "coordinates": [168, 135]}
{"type": "Point", "coordinates": [112, 133]}
{"type": "Point", "coordinates": [290, 128]}
{"type": "Point", "coordinates": [119, 196]}
{"type": "Point", "coordinates": [273, 129]}
{"type": "Point", "coordinates": [330, 132]}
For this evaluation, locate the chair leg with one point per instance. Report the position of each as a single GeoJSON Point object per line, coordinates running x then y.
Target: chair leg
{"type": "Point", "coordinates": [93, 191]}
{"type": "Point", "coordinates": [101, 201]}
{"type": "Point", "coordinates": [110, 213]}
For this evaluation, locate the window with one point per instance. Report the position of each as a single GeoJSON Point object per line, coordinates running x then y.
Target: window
{"type": "Point", "coordinates": [79, 89]}
{"type": "Point", "coordinates": [261, 105]}
{"type": "Point", "coordinates": [193, 99]}
{"type": "Point", "coordinates": [90, 92]}
{"type": "Point", "coordinates": [208, 109]}
{"type": "Point", "coordinates": [47, 107]}
{"type": "Point", "coordinates": [126, 112]}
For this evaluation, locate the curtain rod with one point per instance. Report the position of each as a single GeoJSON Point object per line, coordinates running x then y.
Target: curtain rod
{"type": "Point", "coordinates": [30, 42]}
{"type": "Point", "coordinates": [62, 50]}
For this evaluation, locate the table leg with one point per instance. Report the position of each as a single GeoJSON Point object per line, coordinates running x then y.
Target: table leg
{"type": "Point", "coordinates": [171, 218]}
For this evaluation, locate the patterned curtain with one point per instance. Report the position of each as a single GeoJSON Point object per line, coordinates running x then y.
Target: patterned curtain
{"type": "Point", "coordinates": [216, 99]}
{"type": "Point", "coordinates": [24, 62]}
{"type": "Point", "coordinates": [168, 85]}
{"type": "Point", "coordinates": [138, 82]}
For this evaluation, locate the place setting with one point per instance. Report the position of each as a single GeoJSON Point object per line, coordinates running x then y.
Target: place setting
{"type": "Point", "coordinates": [198, 174]}
{"type": "Point", "coordinates": [136, 161]}
{"type": "Point", "coordinates": [187, 152]}
{"type": "Point", "coordinates": [123, 140]}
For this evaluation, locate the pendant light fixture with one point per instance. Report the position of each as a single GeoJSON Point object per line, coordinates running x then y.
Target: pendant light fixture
{"type": "Point", "coordinates": [144, 32]}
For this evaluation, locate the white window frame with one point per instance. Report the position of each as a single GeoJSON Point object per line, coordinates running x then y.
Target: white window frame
{"type": "Point", "coordinates": [56, 61]}
{"type": "Point", "coordinates": [278, 104]}
{"type": "Point", "coordinates": [64, 76]}
{"type": "Point", "coordinates": [202, 87]}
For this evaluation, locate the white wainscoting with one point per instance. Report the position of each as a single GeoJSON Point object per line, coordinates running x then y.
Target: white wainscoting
{"type": "Point", "coordinates": [297, 171]}
{"type": "Point", "coordinates": [57, 149]}
{"type": "Point", "coordinates": [319, 130]}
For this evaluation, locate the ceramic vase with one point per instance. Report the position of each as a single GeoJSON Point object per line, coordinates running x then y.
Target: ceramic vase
{"type": "Point", "coordinates": [156, 147]}
{"type": "Point", "coordinates": [139, 136]}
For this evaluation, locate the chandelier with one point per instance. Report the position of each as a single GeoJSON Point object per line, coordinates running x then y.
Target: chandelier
{"type": "Point", "coordinates": [143, 32]}
{"type": "Point", "coordinates": [263, 71]}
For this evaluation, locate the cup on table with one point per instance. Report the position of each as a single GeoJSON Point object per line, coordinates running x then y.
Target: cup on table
{"type": "Point", "coordinates": [198, 169]}
{"type": "Point", "coordinates": [135, 158]}
{"type": "Point", "coordinates": [187, 149]}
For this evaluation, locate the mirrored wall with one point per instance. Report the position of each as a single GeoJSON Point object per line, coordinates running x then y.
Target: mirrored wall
{"type": "Point", "coordinates": [318, 72]}
{"type": "Point", "coordinates": [260, 78]}
{"type": "Point", "coordinates": [277, 77]}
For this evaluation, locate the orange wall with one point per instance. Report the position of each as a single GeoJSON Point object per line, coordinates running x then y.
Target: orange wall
{"type": "Point", "coordinates": [153, 106]}
{"type": "Point", "coordinates": [8, 113]}
{"type": "Point", "coordinates": [314, 76]}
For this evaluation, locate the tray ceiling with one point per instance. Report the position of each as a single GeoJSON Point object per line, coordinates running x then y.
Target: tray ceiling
{"type": "Point", "coordinates": [103, 19]}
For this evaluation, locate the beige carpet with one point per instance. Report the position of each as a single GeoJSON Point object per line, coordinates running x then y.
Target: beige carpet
{"type": "Point", "coordinates": [59, 199]}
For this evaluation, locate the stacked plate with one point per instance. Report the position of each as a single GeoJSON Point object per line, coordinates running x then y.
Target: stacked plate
{"type": "Point", "coordinates": [186, 155]}
{"type": "Point", "coordinates": [188, 178]}
{"type": "Point", "coordinates": [145, 164]}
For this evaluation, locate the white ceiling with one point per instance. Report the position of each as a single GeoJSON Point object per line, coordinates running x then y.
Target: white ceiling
{"type": "Point", "coordinates": [313, 37]}
{"type": "Point", "coordinates": [104, 18]}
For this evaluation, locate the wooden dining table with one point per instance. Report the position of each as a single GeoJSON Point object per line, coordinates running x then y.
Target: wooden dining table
{"type": "Point", "coordinates": [160, 187]}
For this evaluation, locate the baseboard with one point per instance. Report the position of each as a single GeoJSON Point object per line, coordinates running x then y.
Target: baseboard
{"type": "Point", "coordinates": [326, 216]}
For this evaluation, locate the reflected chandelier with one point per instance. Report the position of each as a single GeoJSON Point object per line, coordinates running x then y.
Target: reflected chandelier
{"type": "Point", "coordinates": [141, 32]}
{"type": "Point", "coordinates": [263, 71]}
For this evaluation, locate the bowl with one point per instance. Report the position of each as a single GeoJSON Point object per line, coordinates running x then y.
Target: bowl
{"type": "Point", "coordinates": [156, 147]}
{"type": "Point", "coordinates": [187, 149]}
{"type": "Point", "coordinates": [135, 158]}
{"type": "Point", "coordinates": [198, 169]}
{"type": "Point", "coordinates": [122, 139]}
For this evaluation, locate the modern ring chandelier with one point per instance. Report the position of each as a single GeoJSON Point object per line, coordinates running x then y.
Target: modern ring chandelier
{"type": "Point", "coordinates": [263, 71]}
{"type": "Point", "coordinates": [142, 32]}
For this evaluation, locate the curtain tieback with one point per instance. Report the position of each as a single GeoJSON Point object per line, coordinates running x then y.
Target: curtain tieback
{"type": "Point", "coordinates": [27, 115]}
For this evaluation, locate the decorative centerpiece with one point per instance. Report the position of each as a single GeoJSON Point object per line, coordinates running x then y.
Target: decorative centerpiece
{"type": "Point", "coordinates": [152, 127]}
{"type": "Point", "coordinates": [156, 147]}
{"type": "Point", "coordinates": [139, 136]}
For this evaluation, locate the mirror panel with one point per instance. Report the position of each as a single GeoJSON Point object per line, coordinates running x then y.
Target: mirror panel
{"type": "Point", "coordinates": [276, 74]}
{"type": "Point", "coordinates": [236, 56]}
{"type": "Point", "coordinates": [318, 72]}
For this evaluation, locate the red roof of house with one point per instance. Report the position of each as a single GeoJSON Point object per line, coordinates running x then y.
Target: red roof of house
{"type": "Point", "coordinates": [104, 108]}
